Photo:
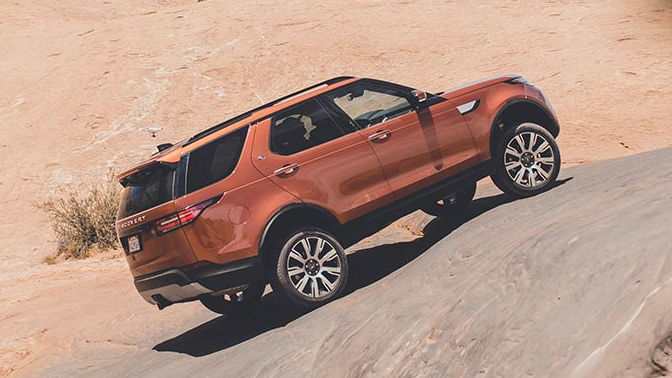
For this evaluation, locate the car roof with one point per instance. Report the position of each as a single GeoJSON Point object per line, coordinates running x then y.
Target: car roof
{"type": "Point", "coordinates": [172, 154]}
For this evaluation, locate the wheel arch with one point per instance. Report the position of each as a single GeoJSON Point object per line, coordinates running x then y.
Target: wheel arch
{"type": "Point", "coordinates": [296, 215]}
{"type": "Point", "coordinates": [518, 110]}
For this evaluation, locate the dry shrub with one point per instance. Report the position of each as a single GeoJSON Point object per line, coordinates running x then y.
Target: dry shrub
{"type": "Point", "coordinates": [83, 219]}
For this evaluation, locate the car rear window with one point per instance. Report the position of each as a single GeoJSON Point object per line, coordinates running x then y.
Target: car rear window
{"type": "Point", "coordinates": [214, 161]}
{"type": "Point", "coordinates": [146, 189]}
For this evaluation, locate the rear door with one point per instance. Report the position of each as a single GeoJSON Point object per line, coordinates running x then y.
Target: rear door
{"type": "Point", "coordinates": [321, 160]}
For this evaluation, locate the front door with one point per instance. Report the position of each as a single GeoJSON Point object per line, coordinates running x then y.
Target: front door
{"type": "Point", "coordinates": [386, 118]}
{"type": "Point", "coordinates": [417, 144]}
{"type": "Point", "coordinates": [322, 161]}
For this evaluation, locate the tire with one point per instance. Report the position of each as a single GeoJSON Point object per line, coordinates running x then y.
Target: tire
{"type": "Point", "coordinates": [310, 269]}
{"type": "Point", "coordinates": [451, 205]}
{"type": "Point", "coordinates": [232, 304]}
{"type": "Point", "coordinates": [526, 170]}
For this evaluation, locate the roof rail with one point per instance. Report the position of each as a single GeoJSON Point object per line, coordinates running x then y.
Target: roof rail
{"type": "Point", "coordinates": [247, 114]}
{"type": "Point", "coordinates": [295, 94]}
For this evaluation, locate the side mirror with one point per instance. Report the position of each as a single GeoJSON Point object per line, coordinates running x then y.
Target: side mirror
{"type": "Point", "coordinates": [420, 96]}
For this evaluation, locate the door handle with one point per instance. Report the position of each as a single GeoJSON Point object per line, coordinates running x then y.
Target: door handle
{"type": "Point", "coordinates": [286, 170]}
{"type": "Point", "coordinates": [380, 135]}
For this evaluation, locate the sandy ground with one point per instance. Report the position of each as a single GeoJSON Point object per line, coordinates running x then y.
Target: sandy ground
{"type": "Point", "coordinates": [81, 79]}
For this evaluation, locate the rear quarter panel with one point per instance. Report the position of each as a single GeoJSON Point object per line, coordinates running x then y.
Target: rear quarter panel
{"type": "Point", "coordinates": [231, 229]}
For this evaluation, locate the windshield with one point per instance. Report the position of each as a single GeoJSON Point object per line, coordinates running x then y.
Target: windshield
{"type": "Point", "coordinates": [146, 189]}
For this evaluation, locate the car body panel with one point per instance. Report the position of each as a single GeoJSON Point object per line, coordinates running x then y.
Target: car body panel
{"type": "Point", "coordinates": [476, 85]}
{"type": "Point", "coordinates": [342, 175]}
{"type": "Point", "coordinates": [444, 127]}
{"type": "Point", "coordinates": [229, 229]}
{"type": "Point", "coordinates": [158, 252]}
{"type": "Point", "coordinates": [481, 119]}
{"type": "Point", "coordinates": [405, 157]}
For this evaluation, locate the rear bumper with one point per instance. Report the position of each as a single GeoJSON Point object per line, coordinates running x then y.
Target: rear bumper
{"type": "Point", "coordinates": [178, 285]}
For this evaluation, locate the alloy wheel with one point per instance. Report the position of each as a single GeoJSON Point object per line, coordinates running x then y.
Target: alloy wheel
{"type": "Point", "coordinates": [314, 267]}
{"type": "Point", "coordinates": [529, 160]}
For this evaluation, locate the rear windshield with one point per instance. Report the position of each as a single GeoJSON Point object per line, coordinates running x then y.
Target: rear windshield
{"type": "Point", "coordinates": [146, 189]}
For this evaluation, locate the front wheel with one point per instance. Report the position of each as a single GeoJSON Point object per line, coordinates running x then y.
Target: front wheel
{"type": "Point", "coordinates": [526, 160]}
{"type": "Point", "coordinates": [311, 268]}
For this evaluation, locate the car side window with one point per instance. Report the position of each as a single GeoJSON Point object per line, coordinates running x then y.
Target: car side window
{"type": "Point", "coordinates": [369, 104]}
{"type": "Point", "coordinates": [214, 161]}
{"type": "Point", "coordinates": [302, 127]}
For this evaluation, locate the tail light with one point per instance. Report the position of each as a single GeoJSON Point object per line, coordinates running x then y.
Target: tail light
{"type": "Point", "coordinates": [182, 217]}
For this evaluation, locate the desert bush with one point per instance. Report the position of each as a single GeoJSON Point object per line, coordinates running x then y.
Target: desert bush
{"type": "Point", "coordinates": [82, 219]}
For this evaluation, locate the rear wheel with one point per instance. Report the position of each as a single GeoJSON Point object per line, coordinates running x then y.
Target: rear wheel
{"type": "Point", "coordinates": [526, 160]}
{"type": "Point", "coordinates": [452, 204]}
{"type": "Point", "coordinates": [235, 302]}
{"type": "Point", "coordinates": [311, 269]}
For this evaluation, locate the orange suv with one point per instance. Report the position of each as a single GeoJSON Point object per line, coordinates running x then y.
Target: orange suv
{"type": "Point", "coordinates": [277, 193]}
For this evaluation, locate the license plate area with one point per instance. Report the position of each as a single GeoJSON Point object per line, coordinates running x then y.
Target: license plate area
{"type": "Point", "coordinates": [134, 244]}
